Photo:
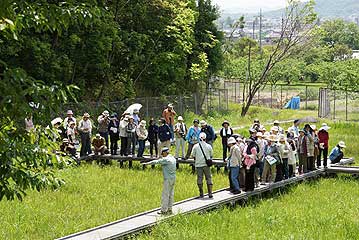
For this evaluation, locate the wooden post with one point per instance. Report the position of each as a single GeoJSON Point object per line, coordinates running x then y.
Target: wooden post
{"type": "Point", "coordinates": [219, 100]}
{"type": "Point", "coordinates": [346, 105]}
{"type": "Point", "coordinates": [271, 96]}
{"type": "Point", "coordinates": [334, 104]}
{"type": "Point", "coordinates": [306, 97]}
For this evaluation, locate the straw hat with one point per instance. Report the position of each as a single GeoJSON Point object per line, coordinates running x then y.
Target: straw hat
{"type": "Point", "coordinates": [272, 138]}
{"type": "Point", "coordinates": [231, 140]}
{"type": "Point", "coordinates": [180, 118]}
{"type": "Point", "coordinates": [324, 127]}
{"type": "Point", "coordinates": [203, 123]}
{"type": "Point", "coordinates": [342, 144]}
{"type": "Point", "coordinates": [225, 122]}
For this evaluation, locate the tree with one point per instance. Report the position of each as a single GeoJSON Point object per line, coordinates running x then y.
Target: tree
{"type": "Point", "coordinates": [297, 26]}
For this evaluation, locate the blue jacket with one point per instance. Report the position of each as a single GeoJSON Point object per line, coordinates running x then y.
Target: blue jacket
{"type": "Point", "coordinates": [209, 131]}
{"type": "Point", "coordinates": [334, 153]}
{"type": "Point", "coordinates": [193, 136]}
{"type": "Point", "coordinates": [164, 133]}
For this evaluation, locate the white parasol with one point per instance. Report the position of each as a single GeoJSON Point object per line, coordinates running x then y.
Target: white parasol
{"type": "Point", "coordinates": [134, 106]}
{"type": "Point", "coordinates": [56, 120]}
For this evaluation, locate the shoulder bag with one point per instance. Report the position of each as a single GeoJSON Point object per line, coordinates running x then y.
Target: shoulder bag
{"type": "Point", "coordinates": [209, 162]}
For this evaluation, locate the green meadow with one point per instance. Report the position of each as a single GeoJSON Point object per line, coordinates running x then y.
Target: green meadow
{"type": "Point", "coordinates": [95, 195]}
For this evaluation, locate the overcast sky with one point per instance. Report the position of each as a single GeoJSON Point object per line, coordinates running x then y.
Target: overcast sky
{"type": "Point", "coordinates": [249, 5]}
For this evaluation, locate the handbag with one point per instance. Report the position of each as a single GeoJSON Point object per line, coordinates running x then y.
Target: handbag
{"type": "Point", "coordinates": [209, 162]}
{"type": "Point", "coordinates": [271, 160]}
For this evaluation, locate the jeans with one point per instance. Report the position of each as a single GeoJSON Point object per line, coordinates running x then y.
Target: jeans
{"type": "Point", "coordinates": [234, 177]}
{"type": "Point", "coordinates": [171, 128]}
{"type": "Point", "coordinates": [105, 136]}
{"type": "Point", "coordinates": [168, 194]}
{"type": "Point", "coordinates": [141, 148]}
{"type": "Point", "coordinates": [180, 145]}
{"type": "Point", "coordinates": [337, 159]}
{"type": "Point", "coordinates": [85, 144]}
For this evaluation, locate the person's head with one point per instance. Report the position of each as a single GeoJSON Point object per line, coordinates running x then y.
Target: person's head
{"type": "Point", "coordinates": [290, 134]}
{"type": "Point", "coordinates": [202, 136]}
{"type": "Point", "coordinates": [136, 111]}
{"type": "Point", "coordinates": [56, 122]}
{"type": "Point", "coordinates": [152, 121]}
{"type": "Point", "coordinates": [196, 122]}
{"type": "Point", "coordinates": [282, 139]}
{"type": "Point", "coordinates": [341, 145]}
{"type": "Point", "coordinates": [272, 139]}
{"type": "Point", "coordinates": [308, 128]}
{"type": "Point", "coordinates": [231, 141]}
{"type": "Point", "coordinates": [276, 123]}
{"type": "Point", "coordinates": [296, 122]}
{"type": "Point", "coordinates": [143, 123]}
{"type": "Point", "coordinates": [162, 121]}
{"type": "Point", "coordinates": [105, 113]}
{"type": "Point", "coordinates": [65, 141]}
{"type": "Point", "coordinates": [302, 132]}
{"type": "Point", "coordinates": [324, 127]}
{"type": "Point", "coordinates": [113, 117]}
{"type": "Point", "coordinates": [165, 151]}
{"type": "Point", "coordinates": [69, 113]}
{"type": "Point", "coordinates": [72, 124]}
{"type": "Point", "coordinates": [98, 135]}
{"type": "Point", "coordinates": [256, 121]}
{"type": "Point", "coordinates": [170, 106]}
{"type": "Point", "coordinates": [203, 123]}
{"type": "Point", "coordinates": [259, 135]}
{"type": "Point", "coordinates": [253, 132]}
{"type": "Point", "coordinates": [130, 119]}
{"type": "Point", "coordinates": [225, 124]}
{"type": "Point", "coordinates": [180, 119]}
{"type": "Point", "coordinates": [86, 116]}
{"type": "Point", "coordinates": [274, 130]}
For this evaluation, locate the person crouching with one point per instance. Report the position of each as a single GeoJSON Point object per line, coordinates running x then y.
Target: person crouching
{"type": "Point", "coordinates": [168, 163]}
{"type": "Point", "coordinates": [99, 145]}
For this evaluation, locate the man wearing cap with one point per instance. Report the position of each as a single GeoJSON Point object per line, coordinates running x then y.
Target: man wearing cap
{"type": "Point", "coordinates": [103, 121]}
{"type": "Point", "coordinates": [234, 162]}
{"type": "Point", "coordinates": [113, 130]}
{"type": "Point", "coordinates": [69, 119]}
{"type": "Point", "coordinates": [192, 136]}
{"type": "Point", "coordinates": [337, 153]}
{"type": "Point", "coordinates": [180, 131]}
{"type": "Point", "coordinates": [209, 131]}
{"type": "Point", "coordinates": [169, 115]}
{"type": "Point", "coordinates": [200, 152]}
{"type": "Point", "coordinates": [142, 134]}
{"type": "Point", "coordinates": [85, 128]}
{"type": "Point", "coordinates": [323, 137]}
{"type": "Point", "coordinates": [168, 163]}
{"type": "Point", "coordinates": [226, 132]}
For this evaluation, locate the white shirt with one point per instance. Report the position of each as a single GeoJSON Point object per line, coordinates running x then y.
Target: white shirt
{"type": "Point", "coordinates": [85, 125]}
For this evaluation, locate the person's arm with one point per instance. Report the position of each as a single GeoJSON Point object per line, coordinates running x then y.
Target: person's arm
{"type": "Point", "coordinates": [153, 162]}
{"type": "Point", "coordinates": [188, 136]}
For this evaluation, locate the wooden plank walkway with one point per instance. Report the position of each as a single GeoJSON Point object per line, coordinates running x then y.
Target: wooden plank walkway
{"type": "Point", "coordinates": [134, 224]}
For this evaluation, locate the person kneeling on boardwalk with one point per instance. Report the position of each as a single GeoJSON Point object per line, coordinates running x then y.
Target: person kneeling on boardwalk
{"type": "Point", "coordinates": [168, 163]}
{"type": "Point", "coordinates": [99, 145]}
{"type": "Point", "coordinates": [201, 152]}
{"type": "Point", "coordinates": [337, 153]}
{"type": "Point", "coordinates": [234, 161]}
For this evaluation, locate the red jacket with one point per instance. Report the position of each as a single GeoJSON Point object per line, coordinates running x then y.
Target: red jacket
{"type": "Point", "coordinates": [323, 138]}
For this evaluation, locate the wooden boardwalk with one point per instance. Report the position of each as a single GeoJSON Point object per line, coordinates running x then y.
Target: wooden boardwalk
{"type": "Point", "coordinates": [133, 224]}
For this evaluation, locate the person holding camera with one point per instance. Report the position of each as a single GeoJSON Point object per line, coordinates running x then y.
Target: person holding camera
{"type": "Point", "coordinates": [103, 122]}
{"type": "Point", "coordinates": [180, 131]}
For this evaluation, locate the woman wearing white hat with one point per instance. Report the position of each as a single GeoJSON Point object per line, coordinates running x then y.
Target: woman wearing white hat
{"type": "Point", "coordinates": [323, 136]}
{"type": "Point", "coordinates": [180, 131]}
{"type": "Point", "coordinates": [142, 134]}
{"type": "Point", "coordinates": [337, 153]}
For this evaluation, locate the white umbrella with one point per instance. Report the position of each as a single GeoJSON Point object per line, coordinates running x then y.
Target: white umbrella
{"type": "Point", "coordinates": [134, 106]}
{"type": "Point", "coordinates": [56, 120]}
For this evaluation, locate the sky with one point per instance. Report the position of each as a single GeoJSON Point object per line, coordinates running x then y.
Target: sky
{"type": "Point", "coordinates": [249, 6]}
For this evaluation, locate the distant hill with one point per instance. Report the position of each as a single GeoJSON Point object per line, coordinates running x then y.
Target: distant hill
{"type": "Point", "coordinates": [324, 8]}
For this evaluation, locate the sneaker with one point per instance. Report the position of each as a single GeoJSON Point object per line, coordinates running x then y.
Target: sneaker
{"type": "Point", "coordinates": [161, 213]}
{"type": "Point", "coordinates": [236, 192]}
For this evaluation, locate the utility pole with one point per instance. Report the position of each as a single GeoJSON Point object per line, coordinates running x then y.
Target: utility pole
{"type": "Point", "coordinates": [260, 30]}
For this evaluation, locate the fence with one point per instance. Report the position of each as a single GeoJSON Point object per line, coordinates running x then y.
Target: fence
{"type": "Point", "coordinates": [151, 106]}
{"type": "Point", "coordinates": [216, 99]}
{"type": "Point", "coordinates": [338, 104]}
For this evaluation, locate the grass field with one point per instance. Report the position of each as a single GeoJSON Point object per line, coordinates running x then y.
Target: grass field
{"type": "Point", "coordinates": [325, 209]}
{"type": "Point", "coordinates": [94, 195]}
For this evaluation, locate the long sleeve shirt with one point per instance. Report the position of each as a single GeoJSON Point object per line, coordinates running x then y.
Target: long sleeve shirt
{"type": "Point", "coordinates": [85, 126]}
{"type": "Point", "coordinates": [334, 153]}
{"type": "Point", "coordinates": [235, 156]}
{"type": "Point", "coordinates": [141, 132]}
{"type": "Point", "coordinates": [199, 159]}
{"type": "Point", "coordinates": [193, 135]}
{"type": "Point", "coordinates": [168, 166]}
{"type": "Point", "coordinates": [169, 116]}
{"type": "Point", "coordinates": [103, 123]}
{"type": "Point", "coordinates": [323, 138]}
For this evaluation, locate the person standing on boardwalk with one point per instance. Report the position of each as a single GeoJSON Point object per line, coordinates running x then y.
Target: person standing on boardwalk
{"type": "Point", "coordinates": [234, 162]}
{"type": "Point", "coordinates": [271, 157]}
{"type": "Point", "coordinates": [69, 118]}
{"type": "Point", "coordinates": [295, 128]}
{"type": "Point", "coordinates": [200, 152]}
{"type": "Point", "coordinates": [169, 115]}
{"type": "Point", "coordinates": [303, 151]}
{"type": "Point", "coordinates": [113, 129]}
{"type": "Point", "coordinates": [153, 137]}
{"type": "Point", "coordinates": [85, 128]}
{"type": "Point", "coordinates": [168, 163]}
{"type": "Point", "coordinates": [323, 136]}
{"type": "Point", "coordinates": [164, 134]}
{"type": "Point", "coordinates": [103, 121]}
{"type": "Point", "coordinates": [310, 132]}
{"type": "Point", "coordinates": [192, 137]}
{"type": "Point", "coordinates": [226, 132]}
{"type": "Point", "coordinates": [180, 136]}
{"type": "Point", "coordinates": [131, 139]}
{"type": "Point", "coordinates": [123, 135]}
{"type": "Point", "coordinates": [142, 135]}
{"type": "Point", "coordinates": [209, 131]}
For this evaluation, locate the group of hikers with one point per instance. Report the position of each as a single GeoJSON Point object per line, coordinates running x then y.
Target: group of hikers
{"type": "Point", "coordinates": [262, 158]}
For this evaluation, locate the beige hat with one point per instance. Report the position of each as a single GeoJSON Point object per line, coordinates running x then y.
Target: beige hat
{"type": "Point", "coordinates": [313, 127]}
{"type": "Point", "coordinates": [180, 118]}
{"type": "Point", "coordinates": [170, 105]}
{"type": "Point", "coordinates": [55, 121]}
{"type": "Point", "coordinates": [272, 138]}
{"type": "Point", "coordinates": [86, 115]}
{"type": "Point", "coordinates": [231, 140]}
{"type": "Point", "coordinates": [202, 122]}
{"type": "Point", "coordinates": [65, 140]}
{"type": "Point", "coordinates": [282, 138]}
{"type": "Point", "coordinates": [342, 144]}
{"type": "Point", "coordinates": [143, 123]}
{"type": "Point", "coordinates": [69, 112]}
{"type": "Point", "coordinates": [106, 113]}
{"type": "Point", "coordinates": [324, 127]}
{"type": "Point", "coordinates": [275, 129]}
{"type": "Point", "coordinates": [276, 122]}
{"type": "Point", "coordinates": [98, 135]}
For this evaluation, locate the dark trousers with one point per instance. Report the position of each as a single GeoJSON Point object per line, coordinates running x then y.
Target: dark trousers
{"type": "Point", "coordinates": [189, 150]}
{"type": "Point", "coordinates": [123, 150]}
{"type": "Point", "coordinates": [310, 164]}
{"type": "Point", "coordinates": [113, 145]}
{"type": "Point", "coordinates": [153, 145]}
{"type": "Point", "coordinates": [325, 157]}
{"type": "Point", "coordinates": [131, 145]}
{"type": "Point", "coordinates": [337, 159]}
{"type": "Point", "coordinates": [249, 182]}
{"type": "Point", "coordinates": [285, 168]}
{"type": "Point", "coordinates": [291, 169]}
{"type": "Point", "coordinates": [85, 144]}
{"type": "Point", "coordinates": [225, 150]}
{"type": "Point", "coordinates": [105, 136]}
{"type": "Point", "coordinates": [141, 148]}
{"type": "Point", "coordinates": [279, 175]}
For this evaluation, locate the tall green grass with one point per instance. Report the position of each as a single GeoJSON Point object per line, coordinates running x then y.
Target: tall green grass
{"type": "Point", "coordinates": [327, 209]}
{"type": "Point", "coordinates": [92, 196]}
